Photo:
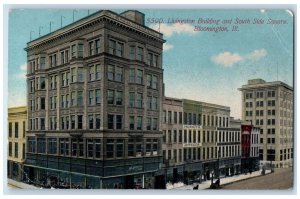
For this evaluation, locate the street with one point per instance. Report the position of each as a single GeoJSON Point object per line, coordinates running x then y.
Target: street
{"type": "Point", "coordinates": [282, 178]}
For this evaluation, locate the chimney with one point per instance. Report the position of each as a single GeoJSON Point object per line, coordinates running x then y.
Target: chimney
{"type": "Point", "coordinates": [135, 16]}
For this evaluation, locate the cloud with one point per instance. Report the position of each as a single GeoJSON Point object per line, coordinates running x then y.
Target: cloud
{"type": "Point", "coordinates": [178, 28]}
{"type": "Point", "coordinates": [227, 59]}
{"type": "Point", "coordinates": [22, 73]}
{"type": "Point", "coordinates": [257, 54]}
{"type": "Point", "coordinates": [167, 47]}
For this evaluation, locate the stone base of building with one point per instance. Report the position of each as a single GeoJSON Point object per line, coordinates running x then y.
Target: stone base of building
{"type": "Point", "coordinates": [14, 170]}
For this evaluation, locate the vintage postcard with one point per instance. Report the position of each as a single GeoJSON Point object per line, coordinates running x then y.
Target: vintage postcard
{"type": "Point", "coordinates": [168, 99]}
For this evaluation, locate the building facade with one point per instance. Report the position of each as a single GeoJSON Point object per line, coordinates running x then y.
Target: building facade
{"type": "Point", "coordinates": [199, 141]}
{"type": "Point", "coordinates": [250, 147]}
{"type": "Point", "coordinates": [17, 125]}
{"type": "Point", "coordinates": [269, 105]}
{"type": "Point", "coordinates": [94, 103]}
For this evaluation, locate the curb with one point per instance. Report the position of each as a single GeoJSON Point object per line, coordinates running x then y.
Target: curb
{"type": "Point", "coordinates": [244, 179]}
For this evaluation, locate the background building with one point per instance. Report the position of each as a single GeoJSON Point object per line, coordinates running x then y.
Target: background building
{"type": "Point", "coordinates": [16, 143]}
{"type": "Point", "coordinates": [94, 103]}
{"type": "Point", "coordinates": [199, 140]}
{"type": "Point", "coordinates": [269, 105]}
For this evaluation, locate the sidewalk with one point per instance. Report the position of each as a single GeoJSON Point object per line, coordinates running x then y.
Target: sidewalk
{"type": "Point", "coordinates": [12, 184]}
{"type": "Point", "coordinates": [223, 181]}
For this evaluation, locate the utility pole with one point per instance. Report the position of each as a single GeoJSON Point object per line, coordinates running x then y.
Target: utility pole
{"type": "Point", "coordinates": [40, 27]}
{"type": "Point", "coordinates": [50, 25]}
{"type": "Point", "coordinates": [74, 15]}
{"type": "Point", "coordinates": [61, 21]}
{"type": "Point", "coordinates": [31, 35]}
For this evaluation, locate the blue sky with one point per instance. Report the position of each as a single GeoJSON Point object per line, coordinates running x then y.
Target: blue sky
{"type": "Point", "coordinates": [205, 66]}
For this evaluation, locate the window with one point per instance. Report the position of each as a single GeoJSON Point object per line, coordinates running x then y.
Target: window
{"type": "Point", "coordinates": [119, 74]}
{"type": "Point", "coordinates": [140, 54]}
{"type": "Point", "coordinates": [132, 52]}
{"type": "Point", "coordinates": [112, 47]}
{"type": "Point", "coordinates": [110, 97]}
{"type": "Point", "coordinates": [149, 81]}
{"type": "Point", "coordinates": [97, 46]}
{"type": "Point", "coordinates": [67, 100]}
{"type": "Point", "coordinates": [131, 122]}
{"type": "Point", "coordinates": [90, 148]}
{"type": "Point", "coordinates": [139, 77]}
{"type": "Point", "coordinates": [98, 99]}
{"type": "Point", "coordinates": [175, 117]}
{"type": "Point", "coordinates": [74, 147]}
{"type": "Point", "coordinates": [79, 121]}
{"type": "Point", "coordinates": [154, 126]}
{"type": "Point", "coordinates": [31, 144]}
{"type": "Point", "coordinates": [120, 49]}
{"type": "Point", "coordinates": [148, 123]}
{"type": "Point", "coordinates": [42, 120]}
{"type": "Point", "coordinates": [92, 73]}
{"type": "Point", "coordinates": [73, 75]}
{"type": "Point", "coordinates": [80, 74]}
{"type": "Point", "coordinates": [155, 105]}
{"type": "Point", "coordinates": [111, 72]}
{"type": "Point", "coordinates": [154, 82]}
{"type": "Point", "coordinates": [62, 57]}
{"type": "Point", "coordinates": [139, 123]}
{"type": "Point", "coordinates": [110, 121]}
{"type": "Point", "coordinates": [62, 123]}
{"type": "Point", "coordinates": [79, 98]}
{"type": "Point", "coordinates": [91, 48]}
{"type": "Point", "coordinates": [80, 50]}
{"type": "Point", "coordinates": [130, 147]}
{"type": "Point", "coordinates": [131, 75]}
{"type": "Point", "coordinates": [16, 150]}
{"type": "Point", "coordinates": [24, 129]}
{"type": "Point", "coordinates": [67, 122]}
{"type": "Point", "coordinates": [73, 122]}
{"type": "Point", "coordinates": [16, 129]}
{"type": "Point", "coordinates": [110, 148]}
{"type": "Point", "coordinates": [119, 97]}
{"type": "Point", "coordinates": [10, 149]}
{"type": "Point", "coordinates": [10, 129]}
{"type": "Point", "coordinates": [42, 62]}
{"type": "Point", "coordinates": [98, 72]}
{"type": "Point", "coordinates": [139, 100]}
{"type": "Point", "coordinates": [73, 50]}
{"type": "Point", "coordinates": [131, 99]}
{"type": "Point", "coordinates": [97, 121]}
{"type": "Point", "coordinates": [149, 102]}
{"type": "Point", "coordinates": [97, 148]}
{"type": "Point", "coordinates": [120, 148]}
{"type": "Point", "coordinates": [119, 121]}
{"type": "Point", "coordinates": [91, 97]}
{"type": "Point", "coordinates": [43, 83]}
{"type": "Point", "coordinates": [52, 146]}
{"type": "Point", "coordinates": [41, 145]}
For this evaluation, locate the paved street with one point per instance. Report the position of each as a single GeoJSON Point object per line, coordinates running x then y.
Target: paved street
{"type": "Point", "coordinates": [281, 179]}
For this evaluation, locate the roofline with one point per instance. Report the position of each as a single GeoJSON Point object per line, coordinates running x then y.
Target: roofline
{"type": "Point", "coordinates": [266, 84]}
{"type": "Point", "coordinates": [53, 34]}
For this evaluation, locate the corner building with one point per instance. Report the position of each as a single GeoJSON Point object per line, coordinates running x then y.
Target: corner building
{"type": "Point", "coordinates": [94, 97]}
{"type": "Point", "coordinates": [269, 105]}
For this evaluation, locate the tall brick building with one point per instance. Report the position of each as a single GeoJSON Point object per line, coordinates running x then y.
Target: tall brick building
{"type": "Point", "coordinates": [94, 101]}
